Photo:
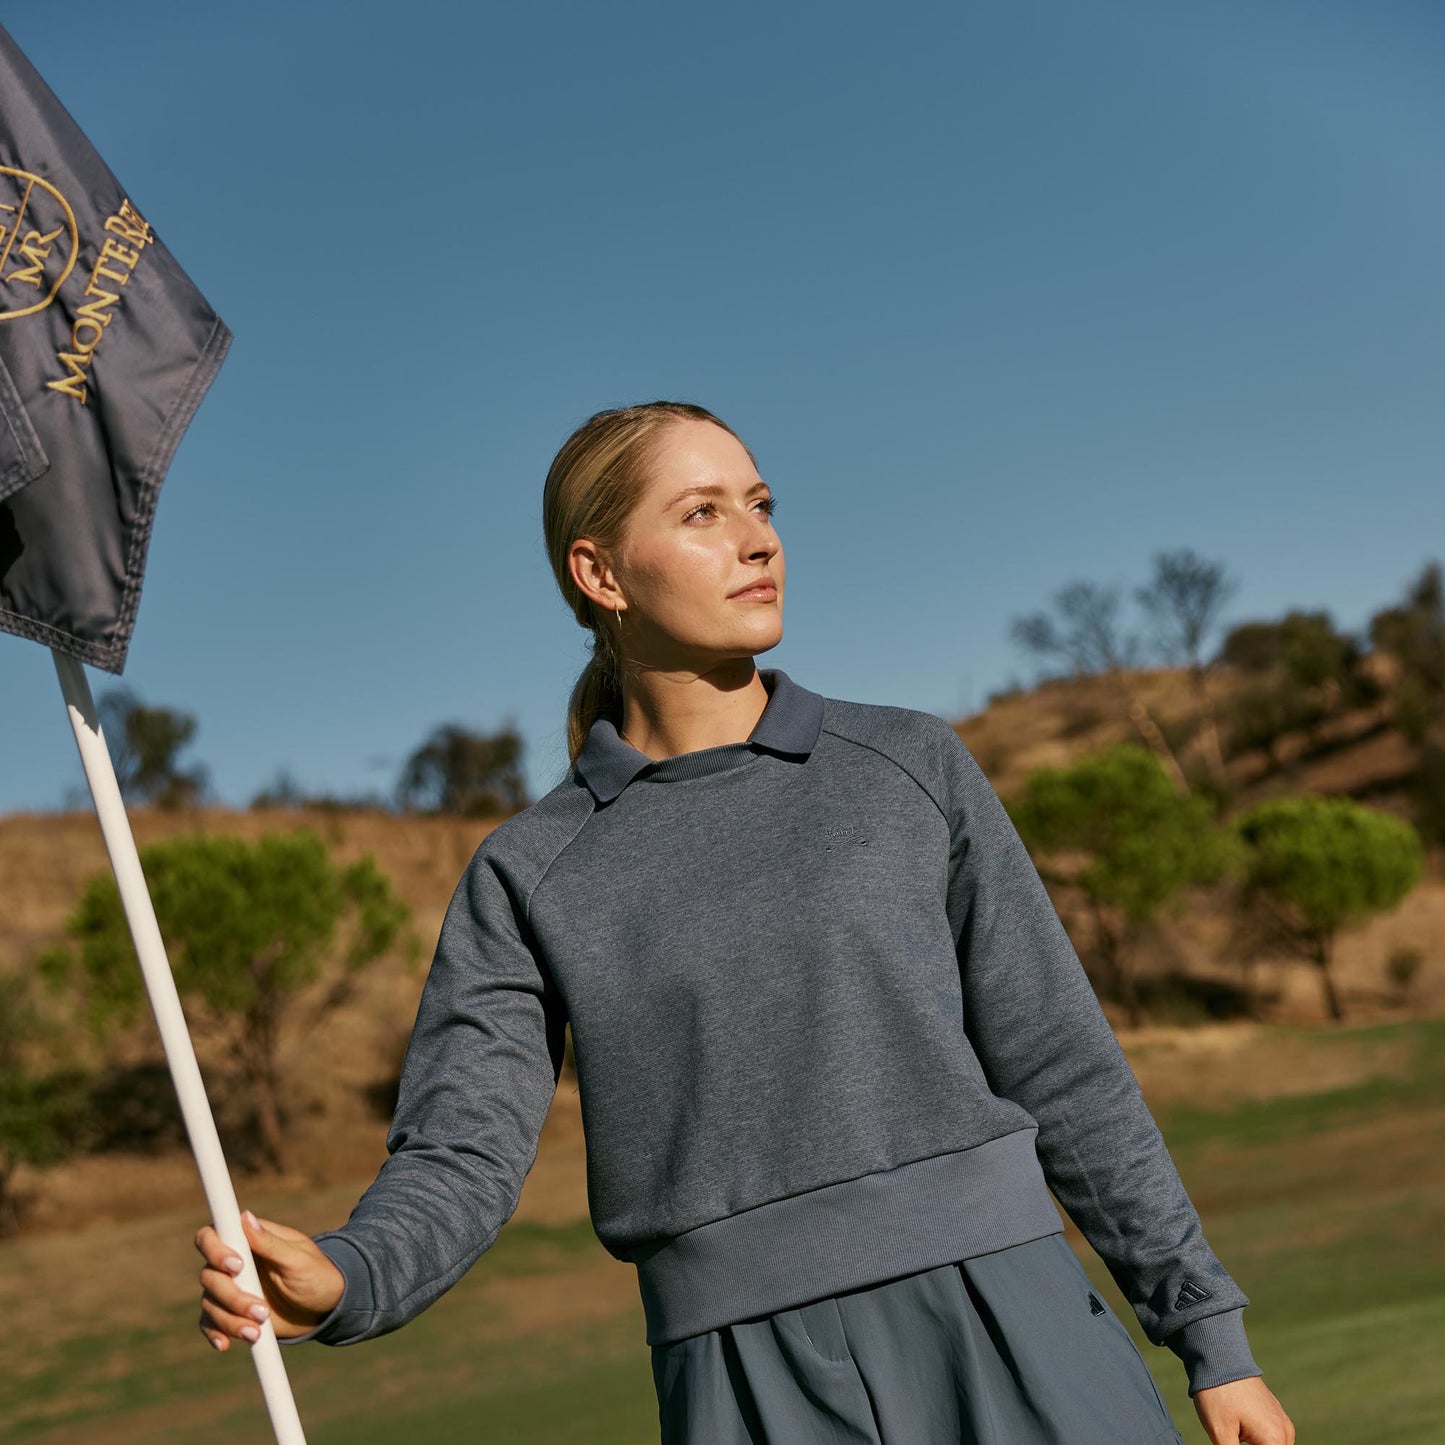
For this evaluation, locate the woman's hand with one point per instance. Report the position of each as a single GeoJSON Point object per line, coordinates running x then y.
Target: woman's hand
{"type": "Point", "coordinates": [301, 1284]}
{"type": "Point", "coordinates": [1243, 1412]}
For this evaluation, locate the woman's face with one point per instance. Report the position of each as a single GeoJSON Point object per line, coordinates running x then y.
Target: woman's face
{"type": "Point", "coordinates": [700, 534]}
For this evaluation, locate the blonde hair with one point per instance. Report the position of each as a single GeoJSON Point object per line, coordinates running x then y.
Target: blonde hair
{"type": "Point", "coordinates": [593, 484]}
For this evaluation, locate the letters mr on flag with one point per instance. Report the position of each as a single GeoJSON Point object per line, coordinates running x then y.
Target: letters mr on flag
{"type": "Point", "coordinates": [106, 351]}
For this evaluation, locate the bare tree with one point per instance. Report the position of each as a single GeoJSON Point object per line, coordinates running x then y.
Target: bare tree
{"type": "Point", "coordinates": [1413, 632]}
{"type": "Point", "coordinates": [467, 773]}
{"type": "Point", "coordinates": [1184, 602]}
{"type": "Point", "coordinates": [143, 743]}
{"type": "Point", "coordinates": [1090, 638]}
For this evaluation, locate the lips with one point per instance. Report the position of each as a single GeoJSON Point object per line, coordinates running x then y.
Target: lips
{"type": "Point", "coordinates": [764, 591]}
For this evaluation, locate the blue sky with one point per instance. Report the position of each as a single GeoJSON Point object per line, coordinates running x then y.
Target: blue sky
{"type": "Point", "coordinates": [1000, 296]}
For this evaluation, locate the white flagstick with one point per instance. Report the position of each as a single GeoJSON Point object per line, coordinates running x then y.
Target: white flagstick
{"type": "Point", "coordinates": [175, 1037]}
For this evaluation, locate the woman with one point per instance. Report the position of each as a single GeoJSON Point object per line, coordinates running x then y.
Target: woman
{"type": "Point", "coordinates": [833, 1045]}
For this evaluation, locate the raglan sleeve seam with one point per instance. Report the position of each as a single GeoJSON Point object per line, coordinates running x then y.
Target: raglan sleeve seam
{"type": "Point", "coordinates": [898, 763]}
{"type": "Point", "coordinates": [551, 863]}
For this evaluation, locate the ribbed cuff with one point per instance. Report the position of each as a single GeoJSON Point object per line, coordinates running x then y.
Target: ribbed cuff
{"type": "Point", "coordinates": [353, 1311]}
{"type": "Point", "coordinates": [1214, 1350]}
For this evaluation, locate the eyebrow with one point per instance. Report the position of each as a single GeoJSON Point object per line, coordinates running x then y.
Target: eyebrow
{"type": "Point", "coordinates": [711, 490]}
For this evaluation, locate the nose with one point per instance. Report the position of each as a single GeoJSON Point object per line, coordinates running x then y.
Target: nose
{"type": "Point", "coordinates": [760, 540]}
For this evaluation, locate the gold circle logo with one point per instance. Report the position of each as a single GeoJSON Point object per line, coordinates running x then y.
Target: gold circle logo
{"type": "Point", "coordinates": [38, 243]}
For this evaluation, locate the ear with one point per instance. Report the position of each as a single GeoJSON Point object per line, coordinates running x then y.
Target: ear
{"type": "Point", "coordinates": [594, 575]}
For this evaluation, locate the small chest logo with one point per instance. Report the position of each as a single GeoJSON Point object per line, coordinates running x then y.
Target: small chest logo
{"type": "Point", "coordinates": [846, 836]}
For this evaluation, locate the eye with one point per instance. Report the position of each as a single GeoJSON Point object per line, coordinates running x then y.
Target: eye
{"type": "Point", "coordinates": [768, 504]}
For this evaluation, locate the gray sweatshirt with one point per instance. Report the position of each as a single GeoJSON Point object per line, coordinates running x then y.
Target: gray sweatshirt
{"type": "Point", "coordinates": [828, 1030]}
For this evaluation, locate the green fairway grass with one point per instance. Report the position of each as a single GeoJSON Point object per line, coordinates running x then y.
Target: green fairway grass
{"type": "Point", "coordinates": [1324, 1206]}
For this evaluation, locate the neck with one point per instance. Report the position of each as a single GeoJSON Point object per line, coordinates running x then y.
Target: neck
{"type": "Point", "coordinates": [665, 714]}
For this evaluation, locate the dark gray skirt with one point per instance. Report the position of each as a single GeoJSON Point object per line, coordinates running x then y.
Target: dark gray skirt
{"type": "Point", "coordinates": [1009, 1348]}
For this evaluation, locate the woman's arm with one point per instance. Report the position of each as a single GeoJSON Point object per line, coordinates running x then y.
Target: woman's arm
{"type": "Point", "coordinates": [1044, 1042]}
{"type": "Point", "coordinates": [477, 1081]}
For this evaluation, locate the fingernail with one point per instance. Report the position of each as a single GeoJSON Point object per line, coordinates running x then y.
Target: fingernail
{"type": "Point", "coordinates": [251, 1333]}
{"type": "Point", "coordinates": [235, 1265]}
{"type": "Point", "coordinates": [215, 1341]}
{"type": "Point", "coordinates": [259, 1312]}
{"type": "Point", "coordinates": [250, 1219]}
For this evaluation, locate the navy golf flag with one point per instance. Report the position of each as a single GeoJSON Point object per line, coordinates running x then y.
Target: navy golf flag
{"type": "Point", "coordinates": [106, 351]}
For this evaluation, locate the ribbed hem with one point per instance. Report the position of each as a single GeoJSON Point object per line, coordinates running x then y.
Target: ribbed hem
{"type": "Point", "coordinates": [844, 1236]}
{"type": "Point", "coordinates": [353, 1312]}
{"type": "Point", "coordinates": [1214, 1350]}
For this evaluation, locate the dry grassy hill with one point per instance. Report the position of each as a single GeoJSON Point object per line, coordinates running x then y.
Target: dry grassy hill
{"type": "Point", "coordinates": [1356, 753]}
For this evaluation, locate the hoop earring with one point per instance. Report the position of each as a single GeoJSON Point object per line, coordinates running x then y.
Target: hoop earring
{"type": "Point", "coordinates": [618, 613]}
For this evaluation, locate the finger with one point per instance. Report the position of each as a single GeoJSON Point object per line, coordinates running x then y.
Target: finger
{"type": "Point", "coordinates": [214, 1250]}
{"type": "Point", "coordinates": [231, 1324]}
{"type": "Point", "coordinates": [217, 1340]}
{"type": "Point", "coordinates": [229, 1295]}
{"type": "Point", "coordinates": [265, 1227]}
